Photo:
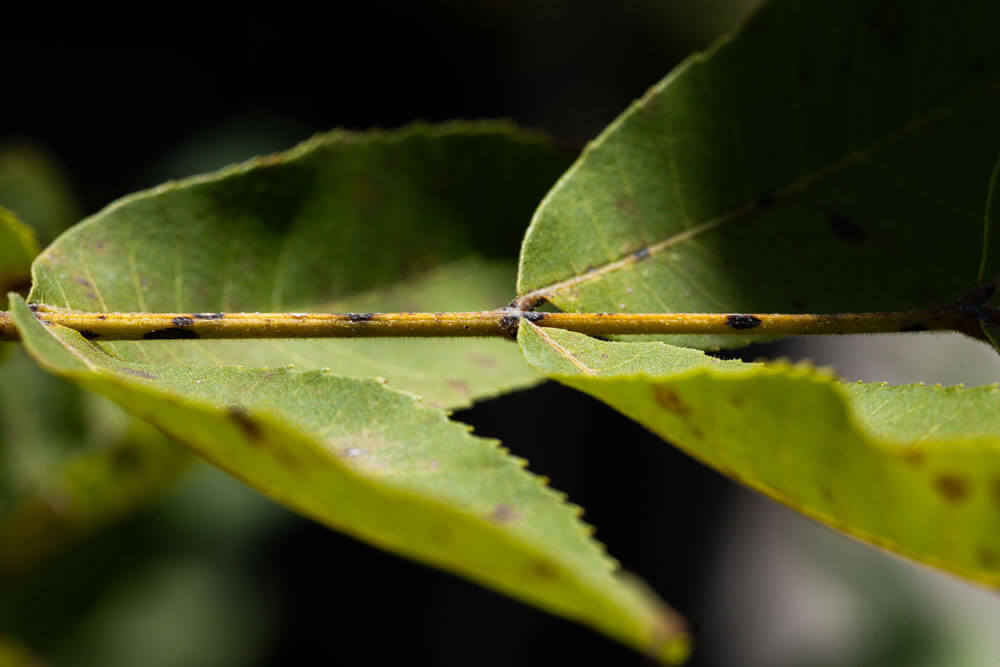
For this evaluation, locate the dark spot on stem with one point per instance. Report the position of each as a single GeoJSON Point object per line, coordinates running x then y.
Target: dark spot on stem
{"type": "Point", "coordinates": [742, 321]}
{"type": "Point", "coordinates": [102, 317]}
{"type": "Point", "coordinates": [846, 230]}
{"type": "Point", "coordinates": [535, 317]}
{"type": "Point", "coordinates": [88, 334]}
{"type": "Point", "coordinates": [171, 333]}
{"type": "Point", "coordinates": [641, 254]}
{"type": "Point", "coordinates": [250, 428]}
{"type": "Point", "coordinates": [208, 316]}
{"type": "Point", "coordinates": [916, 326]}
{"type": "Point", "coordinates": [509, 324]}
{"type": "Point", "coordinates": [952, 488]}
{"type": "Point", "coordinates": [669, 399]}
{"type": "Point", "coordinates": [360, 317]}
{"type": "Point", "coordinates": [182, 321]}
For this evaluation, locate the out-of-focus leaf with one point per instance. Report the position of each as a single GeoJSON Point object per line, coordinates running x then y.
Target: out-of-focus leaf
{"type": "Point", "coordinates": [827, 157]}
{"type": "Point", "coordinates": [17, 249]}
{"type": "Point", "coordinates": [37, 190]}
{"type": "Point", "coordinates": [913, 469]}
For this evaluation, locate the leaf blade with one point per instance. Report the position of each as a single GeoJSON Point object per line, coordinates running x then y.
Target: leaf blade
{"type": "Point", "coordinates": [850, 456]}
{"type": "Point", "coordinates": [806, 144]}
{"type": "Point", "coordinates": [370, 461]}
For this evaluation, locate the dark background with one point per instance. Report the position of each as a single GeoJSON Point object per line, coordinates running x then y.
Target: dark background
{"type": "Point", "coordinates": [125, 118]}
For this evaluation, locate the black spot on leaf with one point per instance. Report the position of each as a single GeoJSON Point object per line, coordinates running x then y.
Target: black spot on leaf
{"type": "Point", "coordinates": [846, 230]}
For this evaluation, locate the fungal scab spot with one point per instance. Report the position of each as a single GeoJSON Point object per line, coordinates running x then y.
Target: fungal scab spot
{"type": "Point", "coordinates": [250, 428]}
{"type": "Point", "coordinates": [171, 333]}
{"type": "Point", "coordinates": [543, 569]}
{"type": "Point", "coordinates": [509, 324]}
{"type": "Point", "coordinates": [742, 321]}
{"type": "Point", "coordinates": [182, 321]}
{"type": "Point", "coordinates": [360, 317]}
{"type": "Point", "coordinates": [535, 317]}
{"type": "Point", "coordinates": [641, 254]}
{"type": "Point", "coordinates": [669, 399]}
{"type": "Point", "coordinates": [913, 456]}
{"type": "Point", "coordinates": [846, 229]}
{"type": "Point", "coordinates": [765, 202]}
{"type": "Point", "coordinates": [504, 513]}
{"type": "Point", "coordinates": [88, 334]}
{"type": "Point", "coordinates": [952, 488]}
{"type": "Point", "coordinates": [916, 326]}
{"type": "Point", "coordinates": [460, 386]}
{"type": "Point", "coordinates": [139, 374]}
{"type": "Point", "coordinates": [208, 316]}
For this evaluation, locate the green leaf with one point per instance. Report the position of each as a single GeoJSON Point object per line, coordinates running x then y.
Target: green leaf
{"type": "Point", "coordinates": [17, 248]}
{"type": "Point", "coordinates": [345, 221]}
{"type": "Point", "coordinates": [827, 157]}
{"type": "Point", "coordinates": [913, 469]}
{"type": "Point", "coordinates": [372, 462]}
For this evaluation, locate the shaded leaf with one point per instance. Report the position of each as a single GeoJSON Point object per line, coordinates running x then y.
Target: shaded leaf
{"type": "Point", "coordinates": [824, 158]}
{"type": "Point", "coordinates": [373, 462]}
{"type": "Point", "coordinates": [913, 469]}
{"type": "Point", "coordinates": [344, 221]}
{"type": "Point", "coordinates": [17, 248]}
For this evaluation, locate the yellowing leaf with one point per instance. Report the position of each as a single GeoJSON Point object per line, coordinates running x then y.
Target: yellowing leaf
{"type": "Point", "coordinates": [913, 469]}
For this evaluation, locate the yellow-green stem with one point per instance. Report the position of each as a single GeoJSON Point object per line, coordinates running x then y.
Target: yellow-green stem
{"type": "Point", "coordinates": [502, 322]}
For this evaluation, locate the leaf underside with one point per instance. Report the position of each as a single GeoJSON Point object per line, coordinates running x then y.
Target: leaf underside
{"type": "Point", "coordinates": [824, 158]}
{"type": "Point", "coordinates": [913, 469]}
{"type": "Point", "coordinates": [378, 221]}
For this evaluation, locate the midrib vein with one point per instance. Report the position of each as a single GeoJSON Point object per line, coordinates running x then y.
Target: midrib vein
{"type": "Point", "coordinates": [560, 349]}
{"type": "Point", "coordinates": [536, 296]}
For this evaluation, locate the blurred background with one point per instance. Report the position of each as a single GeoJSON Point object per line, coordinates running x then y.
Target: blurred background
{"type": "Point", "coordinates": [211, 573]}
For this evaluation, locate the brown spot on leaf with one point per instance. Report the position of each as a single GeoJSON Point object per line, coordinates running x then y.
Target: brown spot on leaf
{"type": "Point", "coordinates": [826, 494]}
{"type": "Point", "coordinates": [988, 558]}
{"type": "Point", "coordinates": [952, 488]}
{"type": "Point", "coordinates": [504, 513]}
{"type": "Point", "coordinates": [251, 429]}
{"type": "Point", "coordinates": [543, 569]}
{"type": "Point", "coordinates": [913, 456]}
{"type": "Point", "coordinates": [460, 386]}
{"type": "Point", "coordinates": [626, 206]}
{"type": "Point", "coordinates": [670, 400]}
{"type": "Point", "coordinates": [483, 360]}
{"type": "Point", "coordinates": [846, 229]}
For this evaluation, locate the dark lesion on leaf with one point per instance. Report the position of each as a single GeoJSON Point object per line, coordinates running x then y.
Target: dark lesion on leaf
{"type": "Point", "coordinates": [988, 558]}
{"type": "Point", "coordinates": [669, 399]}
{"type": "Point", "coordinates": [847, 230]}
{"type": "Point", "coordinates": [504, 513]}
{"type": "Point", "coordinates": [952, 488]}
{"type": "Point", "coordinates": [250, 428]}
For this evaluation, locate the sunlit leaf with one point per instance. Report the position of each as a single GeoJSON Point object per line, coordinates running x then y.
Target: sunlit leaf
{"type": "Point", "coordinates": [344, 222]}
{"type": "Point", "coordinates": [914, 469]}
{"type": "Point", "coordinates": [374, 463]}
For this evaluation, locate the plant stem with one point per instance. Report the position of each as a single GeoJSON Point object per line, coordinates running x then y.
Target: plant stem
{"type": "Point", "coordinates": [502, 323]}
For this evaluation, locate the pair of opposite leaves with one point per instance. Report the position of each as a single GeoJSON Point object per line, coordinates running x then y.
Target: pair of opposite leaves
{"type": "Point", "coordinates": [806, 163]}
